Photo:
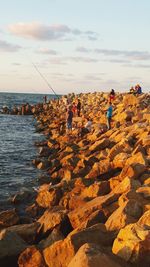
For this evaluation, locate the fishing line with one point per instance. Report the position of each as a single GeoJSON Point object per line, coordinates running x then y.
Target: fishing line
{"type": "Point", "coordinates": [44, 79]}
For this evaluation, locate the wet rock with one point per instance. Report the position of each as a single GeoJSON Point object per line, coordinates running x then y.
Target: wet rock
{"type": "Point", "coordinates": [27, 232]}
{"type": "Point", "coordinates": [8, 218]}
{"type": "Point", "coordinates": [43, 165]}
{"type": "Point", "coordinates": [44, 152]}
{"type": "Point", "coordinates": [24, 196]}
{"type": "Point", "coordinates": [11, 245]}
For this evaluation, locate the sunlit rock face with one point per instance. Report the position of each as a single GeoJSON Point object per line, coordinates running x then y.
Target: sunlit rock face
{"type": "Point", "coordinates": [92, 206]}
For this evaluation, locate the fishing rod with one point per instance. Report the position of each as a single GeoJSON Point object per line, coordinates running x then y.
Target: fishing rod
{"type": "Point", "coordinates": [45, 79]}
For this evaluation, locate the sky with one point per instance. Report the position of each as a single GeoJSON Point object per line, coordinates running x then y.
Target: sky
{"type": "Point", "coordinates": [76, 46]}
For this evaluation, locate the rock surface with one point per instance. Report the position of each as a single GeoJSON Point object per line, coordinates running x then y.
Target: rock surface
{"type": "Point", "coordinates": [92, 207]}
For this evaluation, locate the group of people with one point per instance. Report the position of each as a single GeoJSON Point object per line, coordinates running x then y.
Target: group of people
{"type": "Point", "coordinates": [75, 109]}
{"type": "Point", "coordinates": [137, 90]}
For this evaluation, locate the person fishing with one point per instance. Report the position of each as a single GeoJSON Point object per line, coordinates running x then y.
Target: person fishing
{"type": "Point", "coordinates": [45, 99]}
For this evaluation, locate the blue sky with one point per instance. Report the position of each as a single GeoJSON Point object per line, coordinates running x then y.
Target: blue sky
{"type": "Point", "coordinates": [79, 46]}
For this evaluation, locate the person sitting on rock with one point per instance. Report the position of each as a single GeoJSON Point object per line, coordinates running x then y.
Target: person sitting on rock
{"type": "Point", "coordinates": [132, 90]}
{"type": "Point", "coordinates": [87, 127]}
{"type": "Point", "coordinates": [138, 89]}
{"type": "Point", "coordinates": [112, 95]}
{"type": "Point", "coordinates": [69, 118]}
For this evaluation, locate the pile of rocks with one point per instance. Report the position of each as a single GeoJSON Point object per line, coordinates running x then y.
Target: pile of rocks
{"type": "Point", "coordinates": [92, 208]}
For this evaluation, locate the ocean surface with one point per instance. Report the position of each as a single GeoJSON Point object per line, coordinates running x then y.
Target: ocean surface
{"type": "Point", "coordinates": [17, 149]}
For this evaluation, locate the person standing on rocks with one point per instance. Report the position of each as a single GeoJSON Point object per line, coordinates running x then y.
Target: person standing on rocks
{"type": "Point", "coordinates": [112, 95]}
{"type": "Point", "coordinates": [45, 99]}
{"type": "Point", "coordinates": [78, 107]}
{"type": "Point", "coordinates": [69, 119]}
{"type": "Point", "coordinates": [74, 108]}
{"type": "Point", "coordinates": [109, 115]}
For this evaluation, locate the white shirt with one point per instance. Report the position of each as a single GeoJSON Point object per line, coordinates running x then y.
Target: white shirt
{"type": "Point", "coordinates": [88, 125]}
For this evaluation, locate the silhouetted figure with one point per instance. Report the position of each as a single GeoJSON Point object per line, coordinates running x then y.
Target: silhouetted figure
{"type": "Point", "coordinates": [78, 108]}
{"type": "Point", "coordinates": [45, 99]}
{"type": "Point", "coordinates": [69, 119]}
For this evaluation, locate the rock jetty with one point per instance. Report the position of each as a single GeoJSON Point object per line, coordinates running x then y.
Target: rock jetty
{"type": "Point", "coordinates": [92, 207]}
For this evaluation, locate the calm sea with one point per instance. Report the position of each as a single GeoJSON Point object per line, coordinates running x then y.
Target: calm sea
{"type": "Point", "coordinates": [17, 150]}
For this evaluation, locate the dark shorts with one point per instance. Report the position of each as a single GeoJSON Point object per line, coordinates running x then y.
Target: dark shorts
{"type": "Point", "coordinates": [69, 125]}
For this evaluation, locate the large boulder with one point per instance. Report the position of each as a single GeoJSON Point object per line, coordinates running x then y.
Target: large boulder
{"type": "Point", "coordinates": [128, 213]}
{"type": "Point", "coordinates": [54, 218]}
{"type": "Point", "coordinates": [137, 158]}
{"type": "Point", "coordinates": [61, 253]}
{"type": "Point", "coordinates": [31, 257]}
{"type": "Point", "coordinates": [49, 196]}
{"type": "Point", "coordinates": [96, 189]}
{"type": "Point", "coordinates": [125, 185]}
{"type": "Point", "coordinates": [99, 145]}
{"type": "Point", "coordinates": [11, 245]}
{"type": "Point", "coordinates": [102, 167]}
{"type": "Point", "coordinates": [92, 255]}
{"type": "Point", "coordinates": [27, 232]}
{"type": "Point", "coordinates": [120, 159]}
{"type": "Point", "coordinates": [8, 218]}
{"type": "Point", "coordinates": [82, 214]}
{"type": "Point", "coordinates": [130, 99]}
{"type": "Point", "coordinates": [132, 171]}
{"type": "Point", "coordinates": [133, 242]}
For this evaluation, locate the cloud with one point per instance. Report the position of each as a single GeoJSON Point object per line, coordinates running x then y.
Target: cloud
{"type": "Point", "coordinates": [83, 59]}
{"type": "Point", "coordinates": [132, 55]}
{"type": "Point", "coordinates": [39, 31]}
{"type": "Point", "coordinates": [142, 66]}
{"type": "Point", "coordinates": [7, 47]}
{"type": "Point", "coordinates": [82, 49]}
{"type": "Point", "coordinates": [66, 60]}
{"type": "Point", "coordinates": [118, 61]}
{"type": "Point", "coordinates": [47, 51]}
{"type": "Point", "coordinates": [121, 56]}
{"type": "Point", "coordinates": [62, 74]}
{"type": "Point", "coordinates": [16, 64]}
{"type": "Point", "coordinates": [92, 77]}
{"type": "Point", "coordinates": [92, 36]}
{"type": "Point", "coordinates": [57, 61]}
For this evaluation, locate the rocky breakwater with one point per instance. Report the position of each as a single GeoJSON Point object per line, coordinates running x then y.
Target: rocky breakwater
{"type": "Point", "coordinates": [92, 207]}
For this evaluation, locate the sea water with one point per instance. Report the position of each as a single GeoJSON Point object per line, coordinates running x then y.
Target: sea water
{"type": "Point", "coordinates": [17, 149]}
